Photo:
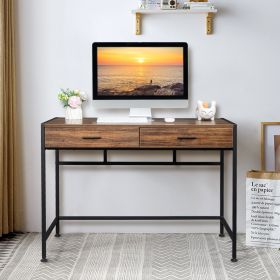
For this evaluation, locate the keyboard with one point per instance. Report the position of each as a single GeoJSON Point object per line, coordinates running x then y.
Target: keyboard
{"type": "Point", "coordinates": [122, 120]}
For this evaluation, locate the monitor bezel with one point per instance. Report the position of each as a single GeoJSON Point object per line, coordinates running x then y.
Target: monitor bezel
{"type": "Point", "coordinates": [138, 44]}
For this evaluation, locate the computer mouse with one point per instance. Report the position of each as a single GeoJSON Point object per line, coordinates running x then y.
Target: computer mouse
{"type": "Point", "coordinates": [169, 119]}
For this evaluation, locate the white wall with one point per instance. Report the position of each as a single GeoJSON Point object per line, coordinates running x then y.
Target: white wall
{"type": "Point", "coordinates": [238, 66]}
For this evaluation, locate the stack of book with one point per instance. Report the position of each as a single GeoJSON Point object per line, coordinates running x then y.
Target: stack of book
{"type": "Point", "coordinates": [198, 5]}
{"type": "Point", "coordinates": [152, 4]}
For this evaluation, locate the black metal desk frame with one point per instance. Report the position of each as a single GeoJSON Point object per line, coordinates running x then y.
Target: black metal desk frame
{"type": "Point", "coordinates": [56, 222]}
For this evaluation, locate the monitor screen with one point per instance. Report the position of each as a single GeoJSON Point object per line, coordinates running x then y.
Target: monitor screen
{"type": "Point", "coordinates": [140, 71]}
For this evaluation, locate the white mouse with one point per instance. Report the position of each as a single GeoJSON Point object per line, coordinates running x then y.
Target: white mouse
{"type": "Point", "coordinates": [169, 119]}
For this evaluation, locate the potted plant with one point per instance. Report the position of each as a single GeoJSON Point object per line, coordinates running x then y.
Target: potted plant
{"type": "Point", "coordinates": [72, 100]}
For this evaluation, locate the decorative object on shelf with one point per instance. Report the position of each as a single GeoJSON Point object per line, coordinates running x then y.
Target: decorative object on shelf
{"type": "Point", "coordinates": [198, 5]}
{"type": "Point", "coordinates": [206, 110]}
{"type": "Point", "coordinates": [142, 4]}
{"type": "Point", "coordinates": [153, 4]}
{"type": "Point", "coordinates": [168, 4]}
{"type": "Point", "coordinates": [72, 100]}
{"type": "Point", "coordinates": [269, 131]}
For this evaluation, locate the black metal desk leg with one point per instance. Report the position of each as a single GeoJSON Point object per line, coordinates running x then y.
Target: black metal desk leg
{"type": "Point", "coordinates": [234, 194]}
{"type": "Point", "coordinates": [57, 233]}
{"type": "Point", "coordinates": [221, 192]}
{"type": "Point", "coordinates": [43, 195]}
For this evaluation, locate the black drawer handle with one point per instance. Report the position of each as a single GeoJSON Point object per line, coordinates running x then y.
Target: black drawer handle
{"type": "Point", "coordinates": [186, 138]}
{"type": "Point", "coordinates": [91, 138]}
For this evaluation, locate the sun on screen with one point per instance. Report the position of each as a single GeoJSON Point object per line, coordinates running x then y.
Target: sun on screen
{"type": "Point", "coordinates": [140, 60]}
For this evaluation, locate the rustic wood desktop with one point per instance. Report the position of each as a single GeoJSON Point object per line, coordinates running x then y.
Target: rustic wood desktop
{"type": "Point", "coordinates": [183, 134]}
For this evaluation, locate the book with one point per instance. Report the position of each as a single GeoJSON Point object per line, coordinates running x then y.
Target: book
{"type": "Point", "coordinates": [196, 5]}
{"type": "Point", "coordinates": [153, 4]}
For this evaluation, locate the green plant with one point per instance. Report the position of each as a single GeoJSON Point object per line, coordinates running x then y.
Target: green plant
{"type": "Point", "coordinates": [65, 94]}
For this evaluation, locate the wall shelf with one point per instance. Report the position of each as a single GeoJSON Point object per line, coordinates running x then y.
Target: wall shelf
{"type": "Point", "coordinates": [208, 12]}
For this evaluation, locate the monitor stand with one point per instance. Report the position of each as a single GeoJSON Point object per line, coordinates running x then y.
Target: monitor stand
{"type": "Point", "coordinates": [141, 113]}
{"type": "Point", "coordinates": [136, 115]}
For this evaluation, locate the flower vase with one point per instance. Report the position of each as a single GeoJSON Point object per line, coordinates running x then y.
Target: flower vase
{"type": "Point", "coordinates": [74, 115]}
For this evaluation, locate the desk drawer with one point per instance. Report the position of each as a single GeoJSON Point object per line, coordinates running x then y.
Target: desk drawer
{"type": "Point", "coordinates": [101, 137]}
{"type": "Point", "coordinates": [198, 137]}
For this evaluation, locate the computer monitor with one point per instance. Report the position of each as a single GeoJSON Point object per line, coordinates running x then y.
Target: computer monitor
{"type": "Point", "coordinates": [140, 75]}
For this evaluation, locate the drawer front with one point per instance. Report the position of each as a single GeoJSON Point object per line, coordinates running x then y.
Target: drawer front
{"type": "Point", "coordinates": [103, 137]}
{"type": "Point", "coordinates": [198, 137]}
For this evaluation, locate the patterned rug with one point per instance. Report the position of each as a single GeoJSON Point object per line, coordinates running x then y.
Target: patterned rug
{"type": "Point", "coordinates": [8, 246]}
{"type": "Point", "coordinates": [136, 256]}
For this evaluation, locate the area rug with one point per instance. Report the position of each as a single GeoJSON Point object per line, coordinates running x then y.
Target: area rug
{"type": "Point", "coordinates": [8, 246]}
{"type": "Point", "coordinates": [138, 256]}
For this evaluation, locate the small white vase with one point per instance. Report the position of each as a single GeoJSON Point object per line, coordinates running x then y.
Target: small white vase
{"type": "Point", "coordinates": [142, 4]}
{"type": "Point", "coordinates": [73, 115]}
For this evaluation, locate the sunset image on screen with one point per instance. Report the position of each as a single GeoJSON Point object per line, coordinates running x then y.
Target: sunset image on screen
{"type": "Point", "coordinates": [140, 71]}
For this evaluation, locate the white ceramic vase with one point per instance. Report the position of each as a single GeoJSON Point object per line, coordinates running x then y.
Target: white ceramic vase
{"type": "Point", "coordinates": [73, 114]}
{"type": "Point", "coordinates": [142, 4]}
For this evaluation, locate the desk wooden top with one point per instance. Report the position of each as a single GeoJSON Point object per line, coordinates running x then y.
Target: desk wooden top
{"type": "Point", "coordinates": [59, 122]}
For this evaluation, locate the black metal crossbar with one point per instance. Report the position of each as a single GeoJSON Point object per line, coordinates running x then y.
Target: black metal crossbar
{"type": "Point", "coordinates": [137, 218]}
{"type": "Point", "coordinates": [195, 163]}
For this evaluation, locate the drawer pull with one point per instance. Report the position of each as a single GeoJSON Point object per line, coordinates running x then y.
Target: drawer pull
{"type": "Point", "coordinates": [186, 138]}
{"type": "Point", "coordinates": [91, 138]}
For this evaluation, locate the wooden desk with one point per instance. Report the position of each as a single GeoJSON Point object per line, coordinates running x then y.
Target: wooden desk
{"type": "Point", "coordinates": [184, 134]}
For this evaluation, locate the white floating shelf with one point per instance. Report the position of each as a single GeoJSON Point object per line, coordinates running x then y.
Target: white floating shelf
{"type": "Point", "coordinates": [208, 12]}
{"type": "Point", "coordinates": [176, 11]}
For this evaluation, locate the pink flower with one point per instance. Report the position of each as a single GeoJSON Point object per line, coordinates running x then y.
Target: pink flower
{"type": "Point", "coordinates": [74, 102]}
